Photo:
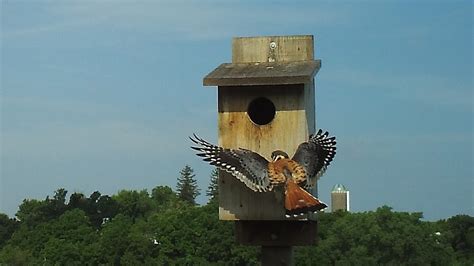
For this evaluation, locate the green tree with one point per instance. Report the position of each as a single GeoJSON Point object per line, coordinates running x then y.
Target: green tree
{"type": "Point", "coordinates": [382, 237]}
{"type": "Point", "coordinates": [114, 239]}
{"type": "Point", "coordinates": [57, 205]}
{"type": "Point", "coordinates": [100, 208]}
{"type": "Point", "coordinates": [135, 228]}
{"type": "Point", "coordinates": [187, 186]}
{"type": "Point", "coordinates": [192, 236]}
{"type": "Point", "coordinates": [7, 227]}
{"type": "Point", "coordinates": [164, 198]}
{"type": "Point", "coordinates": [67, 239]}
{"type": "Point", "coordinates": [72, 240]}
{"type": "Point", "coordinates": [213, 189]}
{"type": "Point", "coordinates": [460, 229]}
{"type": "Point", "coordinates": [77, 200]}
{"type": "Point", "coordinates": [14, 255]}
{"type": "Point", "coordinates": [135, 204]}
{"type": "Point", "coordinates": [33, 212]}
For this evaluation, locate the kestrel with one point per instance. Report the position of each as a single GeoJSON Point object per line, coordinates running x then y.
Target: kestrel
{"type": "Point", "coordinates": [309, 162]}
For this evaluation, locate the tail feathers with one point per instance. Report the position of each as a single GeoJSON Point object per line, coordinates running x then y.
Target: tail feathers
{"type": "Point", "coordinates": [299, 201]}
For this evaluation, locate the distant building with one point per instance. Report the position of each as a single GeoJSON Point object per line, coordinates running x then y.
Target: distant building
{"type": "Point", "coordinates": [340, 198]}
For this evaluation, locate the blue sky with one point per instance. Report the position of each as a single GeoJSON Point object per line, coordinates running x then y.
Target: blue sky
{"type": "Point", "coordinates": [101, 95]}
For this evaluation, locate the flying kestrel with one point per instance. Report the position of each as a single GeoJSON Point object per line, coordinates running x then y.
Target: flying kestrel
{"type": "Point", "coordinates": [309, 162]}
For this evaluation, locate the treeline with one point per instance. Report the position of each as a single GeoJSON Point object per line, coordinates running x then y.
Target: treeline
{"type": "Point", "coordinates": [164, 227]}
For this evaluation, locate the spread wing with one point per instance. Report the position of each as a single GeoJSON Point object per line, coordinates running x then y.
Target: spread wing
{"type": "Point", "coordinates": [315, 155]}
{"type": "Point", "coordinates": [247, 166]}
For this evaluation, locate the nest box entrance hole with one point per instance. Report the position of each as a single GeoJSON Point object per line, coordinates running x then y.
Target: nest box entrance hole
{"type": "Point", "coordinates": [261, 111]}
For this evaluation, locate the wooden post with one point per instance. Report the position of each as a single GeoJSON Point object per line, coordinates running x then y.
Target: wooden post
{"type": "Point", "coordinates": [274, 255]}
{"type": "Point", "coordinates": [279, 70]}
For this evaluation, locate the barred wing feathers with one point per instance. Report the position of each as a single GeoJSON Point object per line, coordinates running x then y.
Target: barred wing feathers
{"type": "Point", "coordinates": [247, 166]}
{"type": "Point", "coordinates": [315, 155]}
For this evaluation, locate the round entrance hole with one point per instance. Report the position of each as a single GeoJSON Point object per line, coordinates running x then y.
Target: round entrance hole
{"type": "Point", "coordinates": [261, 111]}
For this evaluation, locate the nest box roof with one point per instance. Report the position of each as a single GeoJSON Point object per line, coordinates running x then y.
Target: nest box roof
{"type": "Point", "coordinates": [275, 73]}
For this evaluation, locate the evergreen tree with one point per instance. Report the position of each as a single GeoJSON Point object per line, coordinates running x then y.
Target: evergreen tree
{"type": "Point", "coordinates": [213, 188]}
{"type": "Point", "coordinates": [187, 186]}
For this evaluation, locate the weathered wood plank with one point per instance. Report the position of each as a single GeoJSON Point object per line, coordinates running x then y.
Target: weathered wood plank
{"type": "Point", "coordinates": [261, 49]}
{"type": "Point", "coordinates": [278, 73]}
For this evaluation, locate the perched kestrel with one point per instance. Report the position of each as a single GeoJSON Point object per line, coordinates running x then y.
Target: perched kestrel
{"type": "Point", "coordinates": [309, 162]}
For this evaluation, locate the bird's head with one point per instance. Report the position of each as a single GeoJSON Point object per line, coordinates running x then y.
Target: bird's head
{"type": "Point", "coordinates": [277, 155]}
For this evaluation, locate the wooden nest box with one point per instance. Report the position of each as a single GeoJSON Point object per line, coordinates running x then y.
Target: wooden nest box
{"type": "Point", "coordinates": [266, 102]}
